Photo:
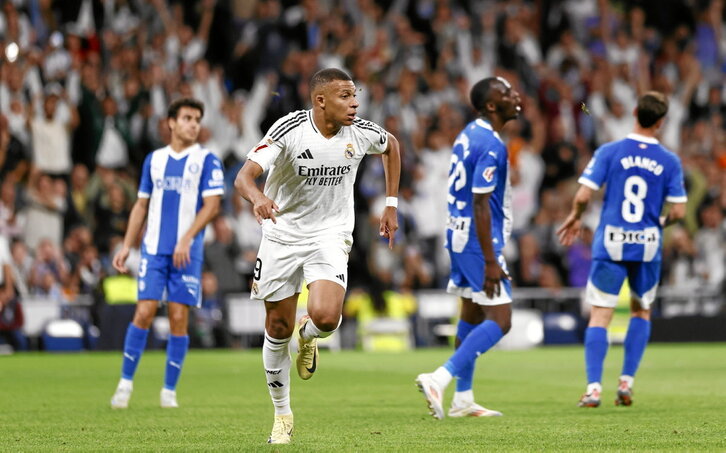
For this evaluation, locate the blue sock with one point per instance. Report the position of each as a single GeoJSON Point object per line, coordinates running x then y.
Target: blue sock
{"type": "Point", "coordinates": [479, 340]}
{"type": "Point", "coordinates": [176, 350]}
{"type": "Point", "coordinates": [134, 345]}
{"type": "Point", "coordinates": [635, 342]}
{"type": "Point", "coordinates": [596, 348]}
{"type": "Point", "coordinates": [466, 373]}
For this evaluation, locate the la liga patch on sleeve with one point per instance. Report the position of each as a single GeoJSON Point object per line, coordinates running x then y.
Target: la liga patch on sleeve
{"type": "Point", "coordinates": [489, 173]}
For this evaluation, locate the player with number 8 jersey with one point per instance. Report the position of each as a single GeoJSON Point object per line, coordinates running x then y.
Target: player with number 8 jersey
{"type": "Point", "coordinates": [640, 177]}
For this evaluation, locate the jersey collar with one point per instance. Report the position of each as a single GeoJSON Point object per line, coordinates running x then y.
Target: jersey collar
{"type": "Point", "coordinates": [486, 125]}
{"type": "Point", "coordinates": [642, 138]}
{"type": "Point", "coordinates": [184, 153]}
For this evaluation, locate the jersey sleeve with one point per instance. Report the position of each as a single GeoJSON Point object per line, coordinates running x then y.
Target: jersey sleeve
{"type": "Point", "coordinates": [212, 182]}
{"type": "Point", "coordinates": [486, 169]}
{"type": "Point", "coordinates": [676, 192]}
{"type": "Point", "coordinates": [266, 151]}
{"type": "Point", "coordinates": [596, 171]}
{"type": "Point", "coordinates": [146, 185]}
{"type": "Point", "coordinates": [374, 134]}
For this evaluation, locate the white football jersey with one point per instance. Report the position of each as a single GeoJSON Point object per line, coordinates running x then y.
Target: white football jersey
{"type": "Point", "coordinates": [311, 177]}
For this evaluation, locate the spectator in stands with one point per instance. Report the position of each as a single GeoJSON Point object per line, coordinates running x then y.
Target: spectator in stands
{"type": "Point", "coordinates": [11, 312]}
{"type": "Point", "coordinates": [42, 216]}
{"type": "Point", "coordinates": [710, 241]}
{"type": "Point", "coordinates": [9, 227]}
{"type": "Point", "coordinates": [49, 271]}
{"type": "Point", "coordinates": [51, 130]}
{"type": "Point", "coordinates": [111, 219]}
{"type": "Point", "coordinates": [220, 257]}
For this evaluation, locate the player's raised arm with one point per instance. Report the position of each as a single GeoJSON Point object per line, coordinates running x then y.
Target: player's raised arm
{"type": "Point", "coordinates": [136, 222]}
{"type": "Point", "coordinates": [392, 169]}
{"type": "Point", "coordinates": [570, 229]}
{"type": "Point", "coordinates": [244, 183]}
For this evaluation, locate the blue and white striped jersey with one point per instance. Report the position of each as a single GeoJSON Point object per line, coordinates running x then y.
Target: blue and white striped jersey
{"type": "Point", "coordinates": [640, 175]}
{"type": "Point", "coordinates": [479, 164]}
{"type": "Point", "coordinates": [176, 183]}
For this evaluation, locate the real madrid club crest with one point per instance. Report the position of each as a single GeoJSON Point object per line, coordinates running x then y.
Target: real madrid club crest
{"type": "Point", "coordinates": [255, 289]}
{"type": "Point", "coordinates": [349, 151]}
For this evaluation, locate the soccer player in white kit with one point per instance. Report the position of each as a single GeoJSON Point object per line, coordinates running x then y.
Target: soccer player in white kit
{"type": "Point", "coordinates": [307, 215]}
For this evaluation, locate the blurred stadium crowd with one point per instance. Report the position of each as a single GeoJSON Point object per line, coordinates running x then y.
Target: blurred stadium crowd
{"type": "Point", "coordinates": [84, 86]}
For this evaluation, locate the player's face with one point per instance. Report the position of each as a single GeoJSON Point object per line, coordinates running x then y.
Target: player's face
{"type": "Point", "coordinates": [187, 124]}
{"type": "Point", "coordinates": [508, 101]}
{"type": "Point", "coordinates": [340, 102]}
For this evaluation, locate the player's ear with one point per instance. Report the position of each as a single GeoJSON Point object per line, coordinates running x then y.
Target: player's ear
{"type": "Point", "coordinates": [320, 100]}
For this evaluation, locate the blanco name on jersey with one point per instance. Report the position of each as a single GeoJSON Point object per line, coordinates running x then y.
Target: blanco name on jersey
{"type": "Point", "coordinates": [645, 163]}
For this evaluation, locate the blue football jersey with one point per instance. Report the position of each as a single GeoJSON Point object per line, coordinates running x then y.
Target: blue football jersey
{"type": "Point", "coordinates": [640, 176]}
{"type": "Point", "coordinates": [479, 164]}
{"type": "Point", "coordinates": [176, 184]}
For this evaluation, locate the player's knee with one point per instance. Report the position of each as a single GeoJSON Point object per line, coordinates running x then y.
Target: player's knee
{"type": "Point", "coordinates": [327, 323]}
{"type": "Point", "coordinates": [641, 313]}
{"type": "Point", "coordinates": [143, 317]}
{"type": "Point", "coordinates": [505, 326]}
{"type": "Point", "coordinates": [178, 323]}
{"type": "Point", "coordinates": [279, 327]}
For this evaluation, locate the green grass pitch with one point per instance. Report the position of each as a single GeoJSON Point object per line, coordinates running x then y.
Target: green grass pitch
{"type": "Point", "coordinates": [365, 402]}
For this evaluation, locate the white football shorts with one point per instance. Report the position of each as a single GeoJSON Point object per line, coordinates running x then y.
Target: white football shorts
{"type": "Point", "coordinates": [280, 268]}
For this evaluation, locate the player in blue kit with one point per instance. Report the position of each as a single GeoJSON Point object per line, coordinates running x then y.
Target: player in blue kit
{"type": "Point", "coordinates": [180, 190]}
{"type": "Point", "coordinates": [479, 225]}
{"type": "Point", "coordinates": [640, 176]}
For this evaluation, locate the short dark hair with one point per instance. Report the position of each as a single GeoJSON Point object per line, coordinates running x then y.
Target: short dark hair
{"type": "Point", "coordinates": [481, 92]}
{"type": "Point", "coordinates": [326, 76]}
{"type": "Point", "coordinates": [652, 106]}
{"type": "Point", "coordinates": [175, 106]}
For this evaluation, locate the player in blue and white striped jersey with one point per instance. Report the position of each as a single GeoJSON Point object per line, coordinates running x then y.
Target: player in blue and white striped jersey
{"type": "Point", "coordinates": [480, 220]}
{"type": "Point", "coordinates": [640, 176]}
{"type": "Point", "coordinates": [179, 194]}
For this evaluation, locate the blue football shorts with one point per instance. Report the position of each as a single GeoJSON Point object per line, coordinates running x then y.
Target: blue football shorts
{"type": "Point", "coordinates": [467, 279]}
{"type": "Point", "coordinates": [607, 277]}
{"type": "Point", "coordinates": [157, 274]}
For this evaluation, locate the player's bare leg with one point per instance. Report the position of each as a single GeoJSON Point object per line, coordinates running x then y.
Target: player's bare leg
{"type": "Point", "coordinates": [325, 306]}
{"type": "Point", "coordinates": [134, 345]}
{"type": "Point", "coordinates": [279, 325]}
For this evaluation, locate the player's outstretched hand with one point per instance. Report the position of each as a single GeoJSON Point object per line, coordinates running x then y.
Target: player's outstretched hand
{"type": "Point", "coordinates": [568, 232]}
{"type": "Point", "coordinates": [264, 208]}
{"type": "Point", "coordinates": [389, 224]}
{"type": "Point", "coordinates": [182, 251]}
{"type": "Point", "coordinates": [119, 260]}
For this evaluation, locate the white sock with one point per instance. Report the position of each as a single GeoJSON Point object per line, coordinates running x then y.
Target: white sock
{"type": "Point", "coordinates": [442, 377]}
{"type": "Point", "coordinates": [126, 384]}
{"type": "Point", "coordinates": [593, 386]}
{"type": "Point", "coordinates": [311, 330]}
{"type": "Point", "coordinates": [277, 362]}
{"type": "Point", "coordinates": [628, 379]}
{"type": "Point", "coordinates": [463, 399]}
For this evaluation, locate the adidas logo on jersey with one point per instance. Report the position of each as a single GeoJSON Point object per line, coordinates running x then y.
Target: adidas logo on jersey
{"type": "Point", "coordinates": [305, 155]}
{"type": "Point", "coordinates": [341, 277]}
